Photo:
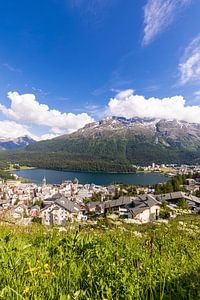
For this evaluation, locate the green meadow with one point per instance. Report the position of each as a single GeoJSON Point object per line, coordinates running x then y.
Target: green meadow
{"type": "Point", "coordinates": [102, 261]}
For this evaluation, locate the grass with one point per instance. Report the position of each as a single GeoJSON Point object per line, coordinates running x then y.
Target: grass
{"type": "Point", "coordinates": [102, 261]}
{"type": "Point", "coordinates": [167, 170]}
{"type": "Point", "coordinates": [24, 180]}
{"type": "Point", "coordinates": [21, 168]}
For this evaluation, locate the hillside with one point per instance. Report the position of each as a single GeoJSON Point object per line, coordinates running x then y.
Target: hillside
{"type": "Point", "coordinates": [109, 260]}
{"type": "Point", "coordinates": [113, 144]}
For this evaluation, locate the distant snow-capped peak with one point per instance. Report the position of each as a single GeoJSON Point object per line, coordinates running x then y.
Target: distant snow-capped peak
{"type": "Point", "coordinates": [17, 143]}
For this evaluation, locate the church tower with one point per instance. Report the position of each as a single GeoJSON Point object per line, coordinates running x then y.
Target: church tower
{"type": "Point", "coordinates": [44, 181]}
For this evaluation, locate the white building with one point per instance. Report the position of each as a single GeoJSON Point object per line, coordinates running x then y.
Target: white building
{"type": "Point", "coordinates": [62, 210]}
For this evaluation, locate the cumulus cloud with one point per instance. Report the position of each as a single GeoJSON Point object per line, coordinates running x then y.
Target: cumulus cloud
{"type": "Point", "coordinates": [10, 129]}
{"type": "Point", "coordinates": [127, 104]}
{"type": "Point", "coordinates": [26, 109]}
{"type": "Point", "coordinates": [158, 15]}
{"type": "Point", "coordinates": [190, 65]}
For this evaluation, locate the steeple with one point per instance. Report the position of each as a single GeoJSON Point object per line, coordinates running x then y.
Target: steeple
{"type": "Point", "coordinates": [44, 181]}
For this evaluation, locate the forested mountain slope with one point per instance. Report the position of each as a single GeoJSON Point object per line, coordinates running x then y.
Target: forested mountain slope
{"type": "Point", "coordinates": [115, 144]}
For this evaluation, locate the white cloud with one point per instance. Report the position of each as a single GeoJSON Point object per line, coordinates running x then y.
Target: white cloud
{"type": "Point", "coordinates": [125, 94]}
{"type": "Point", "coordinates": [190, 65]}
{"type": "Point", "coordinates": [127, 104]}
{"type": "Point", "coordinates": [26, 109]}
{"type": "Point", "coordinates": [10, 129]}
{"type": "Point", "coordinates": [56, 130]}
{"type": "Point", "coordinates": [47, 136]}
{"type": "Point", "coordinates": [158, 15]}
{"type": "Point", "coordinates": [11, 68]}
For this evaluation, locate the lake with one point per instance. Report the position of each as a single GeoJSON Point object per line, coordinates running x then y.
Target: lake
{"type": "Point", "coordinates": [57, 177]}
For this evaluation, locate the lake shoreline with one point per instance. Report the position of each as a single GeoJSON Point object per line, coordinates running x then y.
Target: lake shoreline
{"type": "Point", "coordinates": [55, 176]}
{"type": "Point", "coordinates": [96, 172]}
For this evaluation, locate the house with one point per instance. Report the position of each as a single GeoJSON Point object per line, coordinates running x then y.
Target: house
{"type": "Point", "coordinates": [19, 211]}
{"type": "Point", "coordinates": [174, 198]}
{"type": "Point", "coordinates": [95, 207]}
{"type": "Point", "coordinates": [45, 214]}
{"type": "Point", "coordinates": [84, 193]}
{"type": "Point", "coordinates": [190, 181]}
{"type": "Point", "coordinates": [117, 206]}
{"type": "Point", "coordinates": [191, 188]}
{"type": "Point", "coordinates": [34, 211]}
{"type": "Point", "coordinates": [112, 206]}
{"type": "Point", "coordinates": [62, 210]}
{"type": "Point", "coordinates": [144, 208]}
{"type": "Point", "coordinates": [48, 201]}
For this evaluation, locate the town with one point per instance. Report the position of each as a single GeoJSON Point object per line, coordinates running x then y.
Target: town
{"type": "Point", "coordinates": [58, 204]}
{"type": "Point", "coordinates": [170, 169]}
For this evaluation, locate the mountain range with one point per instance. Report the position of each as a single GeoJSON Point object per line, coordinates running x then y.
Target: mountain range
{"type": "Point", "coordinates": [115, 144]}
{"type": "Point", "coordinates": [17, 143]}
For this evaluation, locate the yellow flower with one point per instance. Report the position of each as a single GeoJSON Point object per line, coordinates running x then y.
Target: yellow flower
{"type": "Point", "coordinates": [26, 290]}
{"type": "Point", "coordinates": [31, 270]}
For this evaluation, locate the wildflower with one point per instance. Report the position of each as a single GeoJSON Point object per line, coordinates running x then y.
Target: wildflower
{"type": "Point", "coordinates": [26, 290]}
{"type": "Point", "coordinates": [32, 270]}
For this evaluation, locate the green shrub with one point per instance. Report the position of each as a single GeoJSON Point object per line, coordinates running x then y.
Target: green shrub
{"type": "Point", "coordinates": [164, 214]}
{"type": "Point", "coordinates": [183, 204]}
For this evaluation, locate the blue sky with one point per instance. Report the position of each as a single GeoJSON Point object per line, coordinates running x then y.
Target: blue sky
{"type": "Point", "coordinates": [87, 59]}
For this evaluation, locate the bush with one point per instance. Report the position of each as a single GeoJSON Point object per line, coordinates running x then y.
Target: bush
{"type": "Point", "coordinates": [183, 204]}
{"type": "Point", "coordinates": [164, 214]}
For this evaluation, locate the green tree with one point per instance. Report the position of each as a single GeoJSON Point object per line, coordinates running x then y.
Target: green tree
{"type": "Point", "coordinates": [39, 202]}
{"type": "Point", "coordinates": [169, 187]}
{"type": "Point", "coordinates": [183, 204]}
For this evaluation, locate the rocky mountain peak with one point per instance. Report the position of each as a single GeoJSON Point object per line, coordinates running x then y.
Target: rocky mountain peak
{"type": "Point", "coordinates": [16, 143]}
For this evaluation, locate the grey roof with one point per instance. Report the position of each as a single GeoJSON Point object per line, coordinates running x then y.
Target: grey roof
{"type": "Point", "coordinates": [111, 203]}
{"type": "Point", "coordinates": [118, 202]}
{"type": "Point", "coordinates": [194, 199]}
{"type": "Point", "coordinates": [141, 203]}
{"type": "Point", "coordinates": [94, 204]}
{"type": "Point", "coordinates": [53, 198]}
{"type": "Point", "coordinates": [152, 201]}
{"type": "Point", "coordinates": [133, 204]}
{"type": "Point", "coordinates": [137, 210]}
{"type": "Point", "coordinates": [35, 207]}
{"type": "Point", "coordinates": [170, 196]}
{"type": "Point", "coordinates": [177, 195]}
{"type": "Point", "coordinates": [148, 199]}
{"type": "Point", "coordinates": [47, 206]}
{"type": "Point", "coordinates": [68, 205]}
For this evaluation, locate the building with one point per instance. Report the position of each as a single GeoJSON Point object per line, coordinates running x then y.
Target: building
{"type": "Point", "coordinates": [61, 211]}
{"type": "Point", "coordinates": [144, 208]}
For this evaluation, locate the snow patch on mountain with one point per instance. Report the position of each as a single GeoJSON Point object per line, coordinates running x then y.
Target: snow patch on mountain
{"type": "Point", "coordinates": [17, 143]}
